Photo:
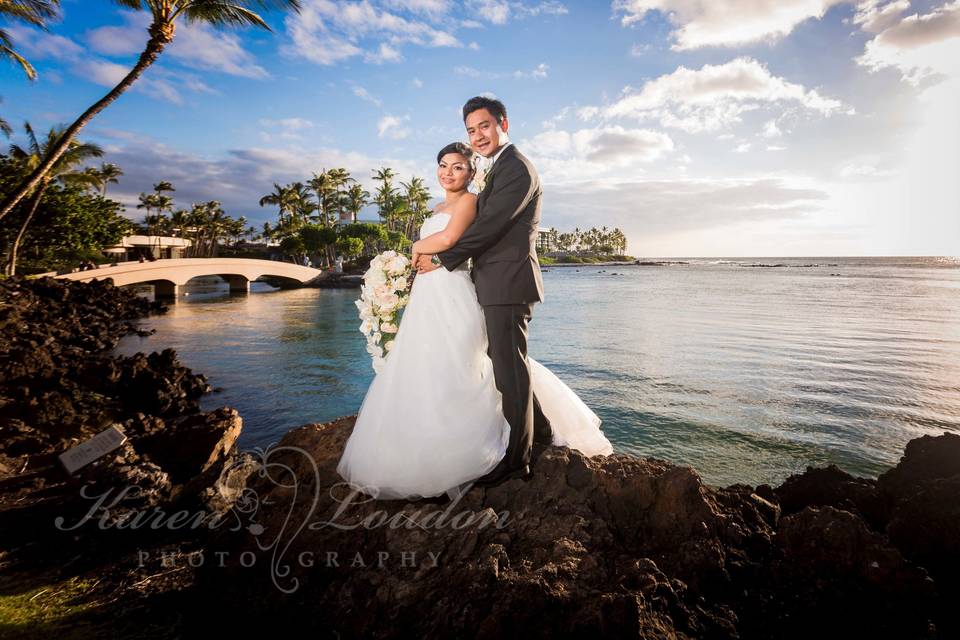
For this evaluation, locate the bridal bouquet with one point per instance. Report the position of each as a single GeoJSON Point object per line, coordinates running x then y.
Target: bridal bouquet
{"type": "Point", "coordinates": [385, 291]}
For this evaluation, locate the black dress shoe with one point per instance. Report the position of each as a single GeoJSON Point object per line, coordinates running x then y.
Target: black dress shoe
{"type": "Point", "coordinates": [501, 473]}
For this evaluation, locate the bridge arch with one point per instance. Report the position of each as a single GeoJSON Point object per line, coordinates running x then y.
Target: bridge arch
{"type": "Point", "coordinates": [168, 275]}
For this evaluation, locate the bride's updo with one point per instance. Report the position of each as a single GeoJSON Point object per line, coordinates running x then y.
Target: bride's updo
{"type": "Point", "coordinates": [456, 147]}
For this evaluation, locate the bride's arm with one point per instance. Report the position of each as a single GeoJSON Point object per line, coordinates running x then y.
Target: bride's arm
{"type": "Point", "coordinates": [464, 211]}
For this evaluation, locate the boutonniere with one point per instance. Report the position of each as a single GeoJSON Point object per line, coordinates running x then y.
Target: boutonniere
{"type": "Point", "coordinates": [481, 170]}
{"type": "Point", "coordinates": [480, 179]}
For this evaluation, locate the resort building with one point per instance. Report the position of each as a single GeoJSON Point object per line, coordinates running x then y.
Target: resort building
{"type": "Point", "coordinates": [545, 241]}
{"type": "Point", "coordinates": [150, 247]}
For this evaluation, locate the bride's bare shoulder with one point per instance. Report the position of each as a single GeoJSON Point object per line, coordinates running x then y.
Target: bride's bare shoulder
{"type": "Point", "coordinates": [467, 201]}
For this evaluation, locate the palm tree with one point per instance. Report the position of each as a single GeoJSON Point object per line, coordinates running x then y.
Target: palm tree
{"type": "Point", "coordinates": [178, 222]}
{"type": "Point", "coordinates": [339, 177]}
{"type": "Point", "coordinates": [416, 198]}
{"type": "Point", "coordinates": [5, 127]}
{"type": "Point", "coordinates": [321, 185]}
{"type": "Point", "coordinates": [77, 153]}
{"type": "Point", "coordinates": [109, 173]}
{"type": "Point", "coordinates": [33, 12]}
{"type": "Point", "coordinates": [384, 198]}
{"type": "Point", "coordinates": [302, 206]}
{"type": "Point", "coordinates": [283, 197]}
{"type": "Point", "coordinates": [357, 199]}
{"type": "Point", "coordinates": [165, 14]}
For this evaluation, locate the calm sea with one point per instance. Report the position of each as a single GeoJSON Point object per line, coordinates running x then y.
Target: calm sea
{"type": "Point", "coordinates": [747, 369]}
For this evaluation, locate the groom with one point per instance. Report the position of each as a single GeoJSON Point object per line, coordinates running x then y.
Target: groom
{"type": "Point", "coordinates": [502, 242]}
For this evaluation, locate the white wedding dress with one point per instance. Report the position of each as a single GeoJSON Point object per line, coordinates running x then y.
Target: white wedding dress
{"type": "Point", "coordinates": [432, 420]}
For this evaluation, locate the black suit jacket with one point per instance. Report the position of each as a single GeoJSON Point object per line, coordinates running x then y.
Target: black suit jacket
{"type": "Point", "coordinates": [503, 237]}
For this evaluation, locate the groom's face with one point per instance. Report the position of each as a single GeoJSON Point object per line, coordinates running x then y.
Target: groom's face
{"type": "Point", "coordinates": [483, 133]}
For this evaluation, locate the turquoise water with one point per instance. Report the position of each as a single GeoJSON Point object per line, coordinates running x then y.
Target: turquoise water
{"type": "Point", "coordinates": [748, 373]}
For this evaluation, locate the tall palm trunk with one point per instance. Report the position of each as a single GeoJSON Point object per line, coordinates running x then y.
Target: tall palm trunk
{"type": "Point", "coordinates": [161, 34]}
{"type": "Point", "coordinates": [11, 266]}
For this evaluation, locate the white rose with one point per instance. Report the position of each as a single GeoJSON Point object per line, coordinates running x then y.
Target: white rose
{"type": "Point", "coordinates": [389, 302]}
{"type": "Point", "coordinates": [378, 364]}
{"type": "Point", "coordinates": [376, 278]}
{"type": "Point", "coordinates": [397, 265]}
{"type": "Point", "coordinates": [389, 345]}
{"type": "Point", "coordinates": [388, 254]}
{"type": "Point", "coordinates": [388, 327]}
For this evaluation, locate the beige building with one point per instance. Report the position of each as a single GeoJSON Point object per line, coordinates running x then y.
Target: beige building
{"type": "Point", "coordinates": [157, 247]}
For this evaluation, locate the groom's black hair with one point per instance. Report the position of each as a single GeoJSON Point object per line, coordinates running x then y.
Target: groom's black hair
{"type": "Point", "coordinates": [455, 147]}
{"type": "Point", "coordinates": [494, 106]}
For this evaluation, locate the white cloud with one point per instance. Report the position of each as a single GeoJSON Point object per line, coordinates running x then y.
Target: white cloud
{"type": "Point", "coordinates": [417, 82]}
{"type": "Point", "coordinates": [743, 147]}
{"type": "Point", "coordinates": [775, 147]}
{"type": "Point", "coordinates": [312, 40]}
{"type": "Point", "coordinates": [919, 46]}
{"type": "Point", "coordinates": [385, 53]}
{"type": "Point", "coordinates": [573, 156]}
{"type": "Point", "coordinates": [326, 32]}
{"type": "Point", "coordinates": [363, 94]}
{"type": "Point", "coordinates": [431, 8]}
{"type": "Point", "coordinates": [549, 8]}
{"type": "Point", "coordinates": [771, 130]}
{"type": "Point", "coordinates": [393, 127]}
{"type": "Point", "coordinates": [703, 23]}
{"type": "Point", "coordinates": [197, 45]}
{"type": "Point", "coordinates": [109, 74]}
{"type": "Point", "coordinates": [285, 128]}
{"type": "Point", "coordinates": [39, 45]}
{"type": "Point", "coordinates": [712, 98]}
{"type": "Point", "coordinates": [158, 82]}
{"type": "Point", "coordinates": [494, 11]}
{"type": "Point", "coordinates": [292, 124]}
{"type": "Point", "coordinates": [500, 11]}
{"type": "Point", "coordinates": [537, 73]}
{"type": "Point", "coordinates": [873, 16]}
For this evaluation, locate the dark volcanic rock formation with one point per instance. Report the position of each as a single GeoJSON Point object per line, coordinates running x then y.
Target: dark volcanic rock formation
{"type": "Point", "coordinates": [59, 386]}
{"type": "Point", "coordinates": [589, 547]}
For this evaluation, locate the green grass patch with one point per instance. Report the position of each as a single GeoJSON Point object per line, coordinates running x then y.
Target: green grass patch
{"type": "Point", "coordinates": [50, 607]}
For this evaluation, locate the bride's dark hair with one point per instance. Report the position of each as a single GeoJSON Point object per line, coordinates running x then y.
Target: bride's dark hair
{"type": "Point", "coordinates": [455, 147]}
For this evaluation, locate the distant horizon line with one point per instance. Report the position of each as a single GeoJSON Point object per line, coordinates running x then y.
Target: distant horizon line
{"type": "Point", "coordinates": [797, 256]}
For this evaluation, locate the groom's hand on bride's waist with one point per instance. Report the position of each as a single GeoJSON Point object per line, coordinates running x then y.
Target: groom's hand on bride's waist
{"type": "Point", "coordinates": [425, 264]}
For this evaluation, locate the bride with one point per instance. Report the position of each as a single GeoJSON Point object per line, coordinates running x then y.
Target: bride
{"type": "Point", "coordinates": [415, 439]}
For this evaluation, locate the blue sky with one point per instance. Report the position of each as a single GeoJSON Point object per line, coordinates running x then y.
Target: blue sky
{"type": "Point", "coordinates": [699, 127]}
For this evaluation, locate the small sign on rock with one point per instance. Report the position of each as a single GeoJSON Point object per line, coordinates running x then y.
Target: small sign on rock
{"type": "Point", "coordinates": [96, 447]}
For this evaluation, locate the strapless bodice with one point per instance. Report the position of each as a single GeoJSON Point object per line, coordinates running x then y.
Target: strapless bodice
{"type": "Point", "coordinates": [438, 222]}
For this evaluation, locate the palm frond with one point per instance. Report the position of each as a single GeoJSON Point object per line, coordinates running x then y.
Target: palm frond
{"type": "Point", "coordinates": [34, 12]}
{"type": "Point", "coordinates": [6, 51]}
{"type": "Point", "coordinates": [235, 12]}
{"type": "Point", "coordinates": [32, 137]}
{"type": "Point", "coordinates": [220, 12]}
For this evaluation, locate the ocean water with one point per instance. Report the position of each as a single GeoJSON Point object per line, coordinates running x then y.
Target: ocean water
{"type": "Point", "coordinates": [747, 369]}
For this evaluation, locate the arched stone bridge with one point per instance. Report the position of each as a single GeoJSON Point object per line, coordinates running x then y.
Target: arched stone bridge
{"type": "Point", "coordinates": [167, 276]}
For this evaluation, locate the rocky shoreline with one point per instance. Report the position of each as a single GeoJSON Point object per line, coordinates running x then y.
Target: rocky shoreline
{"type": "Point", "coordinates": [615, 547]}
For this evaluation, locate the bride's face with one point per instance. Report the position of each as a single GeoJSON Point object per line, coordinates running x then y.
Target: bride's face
{"type": "Point", "coordinates": [454, 172]}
